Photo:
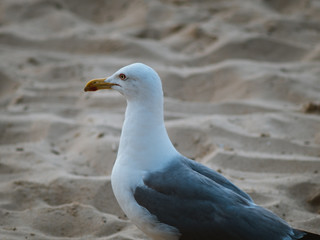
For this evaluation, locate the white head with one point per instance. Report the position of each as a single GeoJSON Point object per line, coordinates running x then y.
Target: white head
{"type": "Point", "coordinates": [143, 127]}
{"type": "Point", "coordinates": [137, 82]}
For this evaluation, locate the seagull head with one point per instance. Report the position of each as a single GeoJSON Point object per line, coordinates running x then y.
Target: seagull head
{"type": "Point", "coordinates": [136, 82]}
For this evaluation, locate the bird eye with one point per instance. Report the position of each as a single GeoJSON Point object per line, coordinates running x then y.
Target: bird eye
{"type": "Point", "coordinates": [122, 76]}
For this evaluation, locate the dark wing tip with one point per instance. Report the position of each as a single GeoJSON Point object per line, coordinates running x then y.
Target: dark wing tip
{"type": "Point", "coordinates": [309, 236]}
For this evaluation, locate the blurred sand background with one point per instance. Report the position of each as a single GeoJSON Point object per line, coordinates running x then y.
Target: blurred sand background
{"type": "Point", "coordinates": [241, 82]}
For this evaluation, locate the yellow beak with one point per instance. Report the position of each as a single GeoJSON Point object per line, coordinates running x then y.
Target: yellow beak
{"type": "Point", "coordinates": [97, 84]}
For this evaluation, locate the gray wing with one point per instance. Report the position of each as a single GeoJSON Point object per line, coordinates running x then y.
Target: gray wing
{"type": "Point", "coordinates": [216, 177]}
{"type": "Point", "coordinates": [203, 209]}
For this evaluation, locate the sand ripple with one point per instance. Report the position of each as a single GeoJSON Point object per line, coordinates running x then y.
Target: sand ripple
{"type": "Point", "coordinates": [237, 79]}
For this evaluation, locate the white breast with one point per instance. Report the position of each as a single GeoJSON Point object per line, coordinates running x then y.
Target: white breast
{"type": "Point", "coordinates": [124, 180]}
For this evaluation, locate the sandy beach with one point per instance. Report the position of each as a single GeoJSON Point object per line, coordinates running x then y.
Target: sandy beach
{"type": "Point", "coordinates": [242, 95]}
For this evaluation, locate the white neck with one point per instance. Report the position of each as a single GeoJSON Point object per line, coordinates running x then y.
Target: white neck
{"type": "Point", "coordinates": [144, 142]}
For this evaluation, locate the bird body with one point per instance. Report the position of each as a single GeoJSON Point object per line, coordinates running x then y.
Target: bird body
{"type": "Point", "coordinates": [167, 195]}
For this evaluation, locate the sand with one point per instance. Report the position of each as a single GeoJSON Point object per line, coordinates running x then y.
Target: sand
{"type": "Point", "coordinates": [242, 93]}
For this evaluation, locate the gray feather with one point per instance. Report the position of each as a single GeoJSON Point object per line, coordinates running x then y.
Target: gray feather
{"type": "Point", "coordinates": [202, 204]}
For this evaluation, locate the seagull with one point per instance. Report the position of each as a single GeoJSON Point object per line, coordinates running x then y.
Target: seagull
{"type": "Point", "coordinates": [167, 195]}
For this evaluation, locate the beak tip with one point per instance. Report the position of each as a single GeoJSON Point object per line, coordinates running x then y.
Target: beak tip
{"type": "Point", "coordinates": [96, 84]}
{"type": "Point", "coordinates": [90, 88]}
